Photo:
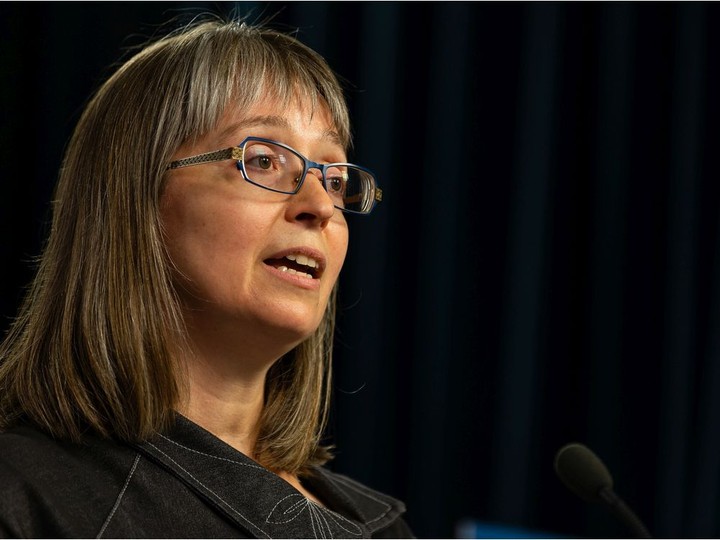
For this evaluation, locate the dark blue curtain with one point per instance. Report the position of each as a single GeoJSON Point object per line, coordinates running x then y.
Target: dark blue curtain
{"type": "Point", "coordinates": [545, 267]}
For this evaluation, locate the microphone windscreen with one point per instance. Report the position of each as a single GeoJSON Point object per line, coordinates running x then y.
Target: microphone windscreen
{"type": "Point", "coordinates": [582, 471]}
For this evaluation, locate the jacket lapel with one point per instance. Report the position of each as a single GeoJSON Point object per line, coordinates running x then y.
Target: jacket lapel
{"type": "Point", "coordinates": [256, 500]}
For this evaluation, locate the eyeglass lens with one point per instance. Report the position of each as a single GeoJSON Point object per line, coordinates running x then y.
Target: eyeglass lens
{"type": "Point", "coordinates": [280, 169]}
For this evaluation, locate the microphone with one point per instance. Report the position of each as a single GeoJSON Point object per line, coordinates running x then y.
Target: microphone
{"type": "Point", "coordinates": [585, 475]}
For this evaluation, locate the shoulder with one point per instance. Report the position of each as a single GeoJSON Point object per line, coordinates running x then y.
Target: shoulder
{"type": "Point", "coordinates": [381, 513]}
{"type": "Point", "coordinates": [97, 488]}
{"type": "Point", "coordinates": [54, 488]}
{"type": "Point", "coordinates": [29, 455]}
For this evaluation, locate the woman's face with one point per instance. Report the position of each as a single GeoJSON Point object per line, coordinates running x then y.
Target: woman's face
{"type": "Point", "coordinates": [229, 239]}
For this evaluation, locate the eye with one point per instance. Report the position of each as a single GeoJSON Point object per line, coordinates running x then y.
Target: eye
{"type": "Point", "coordinates": [336, 181]}
{"type": "Point", "coordinates": [263, 162]}
{"type": "Point", "coordinates": [262, 158]}
{"type": "Point", "coordinates": [335, 184]}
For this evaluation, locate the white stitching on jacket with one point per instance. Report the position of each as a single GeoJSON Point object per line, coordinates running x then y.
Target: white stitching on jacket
{"type": "Point", "coordinates": [359, 490]}
{"type": "Point", "coordinates": [266, 535]}
{"type": "Point", "coordinates": [119, 497]}
{"type": "Point", "coordinates": [213, 456]}
{"type": "Point", "coordinates": [318, 514]}
{"type": "Point", "coordinates": [335, 516]}
{"type": "Point", "coordinates": [321, 516]}
{"type": "Point", "coordinates": [320, 511]}
{"type": "Point", "coordinates": [302, 501]}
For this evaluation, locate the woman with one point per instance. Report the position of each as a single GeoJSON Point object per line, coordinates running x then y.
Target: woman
{"type": "Point", "coordinates": [169, 373]}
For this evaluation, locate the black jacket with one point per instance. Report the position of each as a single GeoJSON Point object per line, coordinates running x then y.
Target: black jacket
{"type": "Point", "coordinates": [187, 483]}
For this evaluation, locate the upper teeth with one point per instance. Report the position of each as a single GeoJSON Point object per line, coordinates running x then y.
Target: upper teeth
{"type": "Point", "coordinates": [304, 260]}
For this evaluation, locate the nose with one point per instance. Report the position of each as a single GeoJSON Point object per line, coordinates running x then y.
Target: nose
{"type": "Point", "coordinates": [312, 204]}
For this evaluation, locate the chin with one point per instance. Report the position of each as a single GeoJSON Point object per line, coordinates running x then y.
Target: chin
{"type": "Point", "coordinates": [295, 320]}
{"type": "Point", "coordinates": [296, 334]}
{"type": "Point", "coordinates": [291, 327]}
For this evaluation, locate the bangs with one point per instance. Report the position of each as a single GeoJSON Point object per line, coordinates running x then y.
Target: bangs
{"type": "Point", "coordinates": [239, 66]}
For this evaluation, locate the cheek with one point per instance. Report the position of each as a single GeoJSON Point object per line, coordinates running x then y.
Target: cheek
{"type": "Point", "coordinates": [339, 245]}
{"type": "Point", "coordinates": [184, 227]}
{"type": "Point", "coordinates": [202, 233]}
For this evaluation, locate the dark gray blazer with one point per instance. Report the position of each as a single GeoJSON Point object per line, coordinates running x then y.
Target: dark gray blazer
{"type": "Point", "coordinates": [187, 483]}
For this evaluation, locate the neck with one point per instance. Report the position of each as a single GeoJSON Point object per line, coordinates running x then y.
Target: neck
{"type": "Point", "coordinates": [226, 396]}
{"type": "Point", "coordinates": [226, 373]}
{"type": "Point", "coordinates": [229, 409]}
{"type": "Point", "coordinates": [226, 390]}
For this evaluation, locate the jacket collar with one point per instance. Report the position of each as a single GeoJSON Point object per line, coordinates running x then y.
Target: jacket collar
{"type": "Point", "coordinates": [260, 502]}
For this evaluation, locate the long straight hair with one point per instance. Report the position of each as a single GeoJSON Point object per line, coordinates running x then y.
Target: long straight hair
{"type": "Point", "coordinates": [92, 346]}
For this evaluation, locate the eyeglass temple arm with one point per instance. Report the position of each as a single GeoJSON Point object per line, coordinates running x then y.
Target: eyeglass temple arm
{"type": "Point", "coordinates": [229, 153]}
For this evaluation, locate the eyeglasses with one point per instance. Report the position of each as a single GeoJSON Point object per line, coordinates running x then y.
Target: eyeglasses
{"type": "Point", "coordinates": [277, 167]}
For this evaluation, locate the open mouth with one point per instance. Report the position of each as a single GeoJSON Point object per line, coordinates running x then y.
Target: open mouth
{"type": "Point", "coordinates": [297, 264]}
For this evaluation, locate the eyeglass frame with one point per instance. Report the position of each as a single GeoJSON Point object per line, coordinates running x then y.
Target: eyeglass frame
{"type": "Point", "coordinates": [236, 153]}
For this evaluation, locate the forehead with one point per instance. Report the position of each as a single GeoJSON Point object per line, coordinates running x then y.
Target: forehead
{"type": "Point", "coordinates": [295, 118]}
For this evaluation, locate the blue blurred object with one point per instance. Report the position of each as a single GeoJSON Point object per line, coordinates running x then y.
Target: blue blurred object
{"type": "Point", "coordinates": [469, 528]}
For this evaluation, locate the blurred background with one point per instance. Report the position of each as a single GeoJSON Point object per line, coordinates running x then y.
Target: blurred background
{"type": "Point", "coordinates": [544, 268]}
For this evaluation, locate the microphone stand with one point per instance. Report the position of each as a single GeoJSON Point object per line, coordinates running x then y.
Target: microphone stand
{"type": "Point", "coordinates": [623, 511]}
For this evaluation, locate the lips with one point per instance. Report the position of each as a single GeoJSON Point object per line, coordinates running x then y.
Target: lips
{"type": "Point", "coordinates": [300, 263]}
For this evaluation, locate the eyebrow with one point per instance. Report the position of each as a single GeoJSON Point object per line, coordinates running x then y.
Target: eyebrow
{"type": "Point", "coordinates": [274, 121]}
